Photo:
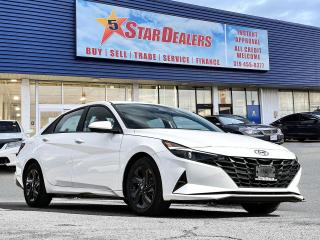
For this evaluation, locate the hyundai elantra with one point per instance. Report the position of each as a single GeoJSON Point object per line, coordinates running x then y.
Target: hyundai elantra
{"type": "Point", "coordinates": [151, 156]}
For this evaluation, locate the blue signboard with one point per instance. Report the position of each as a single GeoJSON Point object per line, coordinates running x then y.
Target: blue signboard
{"type": "Point", "coordinates": [110, 32]}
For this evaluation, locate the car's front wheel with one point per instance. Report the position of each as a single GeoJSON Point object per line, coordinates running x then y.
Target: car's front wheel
{"type": "Point", "coordinates": [260, 208]}
{"type": "Point", "coordinates": [34, 189]}
{"type": "Point", "coordinates": [144, 188]}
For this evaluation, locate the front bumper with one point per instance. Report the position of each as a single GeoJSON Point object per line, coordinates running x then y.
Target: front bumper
{"type": "Point", "coordinates": [211, 183]}
{"type": "Point", "coordinates": [8, 157]}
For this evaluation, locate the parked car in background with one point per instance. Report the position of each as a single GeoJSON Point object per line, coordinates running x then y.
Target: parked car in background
{"type": "Point", "coordinates": [240, 125]}
{"type": "Point", "coordinates": [300, 126]}
{"type": "Point", "coordinates": [11, 136]}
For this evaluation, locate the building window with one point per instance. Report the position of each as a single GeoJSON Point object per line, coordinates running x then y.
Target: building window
{"type": "Point", "coordinates": [286, 103]}
{"type": "Point", "coordinates": [239, 105]}
{"type": "Point", "coordinates": [116, 92]}
{"type": "Point", "coordinates": [168, 95]}
{"type": "Point", "coordinates": [301, 101]}
{"type": "Point", "coordinates": [314, 101]}
{"type": "Point", "coordinates": [10, 100]}
{"type": "Point", "coordinates": [50, 92]}
{"type": "Point", "coordinates": [187, 98]}
{"type": "Point", "coordinates": [148, 94]}
{"type": "Point", "coordinates": [225, 96]}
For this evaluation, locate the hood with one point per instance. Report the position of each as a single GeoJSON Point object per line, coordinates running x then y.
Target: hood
{"type": "Point", "coordinates": [11, 135]}
{"type": "Point", "coordinates": [218, 142]}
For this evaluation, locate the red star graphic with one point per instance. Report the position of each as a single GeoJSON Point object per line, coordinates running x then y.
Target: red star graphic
{"type": "Point", "coordinates": [112, 25]}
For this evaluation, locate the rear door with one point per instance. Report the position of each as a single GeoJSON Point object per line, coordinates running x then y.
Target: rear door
{"type": "Point", "coordinates": [96, 165]}
{"type": "Point", "coordinates": [290, 125]}
{"type": "Point", "coordinates": [308, 126]}
{"type": "Point", "coordinates": [57, 148]}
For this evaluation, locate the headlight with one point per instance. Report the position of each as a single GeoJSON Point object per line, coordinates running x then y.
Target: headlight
{"type": "Point", "coordinates": [279, 131]}
{"type": "Point", "coordinates": [13, 144]}
{"type": "Point", "coordinates": [189, 154]}
{"type": "Point", "coordinates": [250, 131]}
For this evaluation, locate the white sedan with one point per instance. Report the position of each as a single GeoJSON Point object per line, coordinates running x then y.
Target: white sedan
{"type": "Point", "coordinates": [11, 136]}
{"type": "Point", "coordinates": [150, 156]}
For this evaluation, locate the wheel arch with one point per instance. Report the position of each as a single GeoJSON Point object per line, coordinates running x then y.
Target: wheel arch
{"type": "Point", "coordinates": [28, 163]}
{"type": "Point", "coordinates": [131, 161]}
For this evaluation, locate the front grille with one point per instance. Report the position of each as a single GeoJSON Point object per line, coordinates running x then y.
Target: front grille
{"type": "Point", "coordinates": [269, 131]}
{"type": "Point", "coordinates": [243, 170]}
{"type": "Point", "coordinates": [4, 160]}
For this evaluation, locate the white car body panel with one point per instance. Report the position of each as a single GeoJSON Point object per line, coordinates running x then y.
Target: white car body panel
{"type": "Point", "coordinates": [97, 164]}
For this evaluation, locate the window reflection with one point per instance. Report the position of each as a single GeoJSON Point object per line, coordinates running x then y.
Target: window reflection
{"type": "Point", "coordinates": [10, 100]}
{"type": "Point", "coordinates": [239, 102]}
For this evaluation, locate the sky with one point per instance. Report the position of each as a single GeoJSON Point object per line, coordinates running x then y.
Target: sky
{"type": "Point", "coordinates": [299, 11]}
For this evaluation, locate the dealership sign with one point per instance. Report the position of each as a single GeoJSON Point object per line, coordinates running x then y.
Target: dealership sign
{"type": "Point", "coordinates": [110, 32]}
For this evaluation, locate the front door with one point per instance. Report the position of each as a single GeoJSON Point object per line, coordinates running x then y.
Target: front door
{"type": "Point", "coordinates": [56, 149]}
{"type": "Point", "coordinates": [96, 165]}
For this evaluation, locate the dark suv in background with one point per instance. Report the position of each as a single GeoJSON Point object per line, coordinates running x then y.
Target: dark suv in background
{"type": "Point", "coordinates": [300, 126]}
{"type": "Point", "coordinates": [240, 125]}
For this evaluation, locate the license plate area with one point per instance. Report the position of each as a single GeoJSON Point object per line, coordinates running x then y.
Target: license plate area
{"type": "Point", "coordinates": [274, 137]}
{"type": "Point", "coordinates": [265, 173]}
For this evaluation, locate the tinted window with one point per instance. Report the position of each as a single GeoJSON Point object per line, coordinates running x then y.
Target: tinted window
{"type": "Point", "coordinates": [9, 127]}
{"type": "Point", "coordinates": [291, 118]}
{"type": "Point", "coordinates": [139, 116]}
{"type": "Point", "coordinates": [213, 120]}
{"type": "Point", "coordinates": [97, 114]}
{"type": "Point", "coordinates": [69, 122]}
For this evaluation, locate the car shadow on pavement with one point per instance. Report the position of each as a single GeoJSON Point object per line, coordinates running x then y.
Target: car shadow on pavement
{"type": "Point", "coordinates": [123, 210]}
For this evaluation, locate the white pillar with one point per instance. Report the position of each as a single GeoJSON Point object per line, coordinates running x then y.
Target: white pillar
{"type": "Point", "coordinates": [269, 99]}
{"type": "Point", "coordinates": [215, 98]}
{"type": "Point", "coordinates": [25, 104]}
{"type": "Point", "coordinates": [135, 92]}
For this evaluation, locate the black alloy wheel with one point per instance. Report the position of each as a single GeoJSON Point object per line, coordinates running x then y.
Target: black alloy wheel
{"type": "Point", "coordinates": [144, 188]}
{"type": "Point", "coordinates": [34, 189]}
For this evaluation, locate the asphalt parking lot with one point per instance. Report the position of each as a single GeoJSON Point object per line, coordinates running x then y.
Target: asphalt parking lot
{"type": "Point", "coordinates": [99, 219]}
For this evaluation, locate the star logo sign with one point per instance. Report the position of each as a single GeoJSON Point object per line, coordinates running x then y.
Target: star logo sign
{"type": "Point", "coordinates": [112, 25]}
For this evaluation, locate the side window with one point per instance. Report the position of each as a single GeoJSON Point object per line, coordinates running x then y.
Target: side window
{"type": "Point", "coordinates": [97, 114]}
{"type": "Point", "coordinates": [291, 118]}
{"type": "Point", "coordinates": [69, 122]}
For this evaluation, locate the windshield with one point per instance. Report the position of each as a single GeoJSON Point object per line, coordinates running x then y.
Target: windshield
{"type": "Point", "coordinates": [228, 120]}
{"type": "Point", "coordinates": [141, 116]}
{"type": "Point", "coordinates": [9, 127]}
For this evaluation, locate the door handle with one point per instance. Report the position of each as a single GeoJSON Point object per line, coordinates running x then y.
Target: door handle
{"type": "Point", "coordinates": [79, 141]}
{"type": "Point", "coordinates": [45, 139]}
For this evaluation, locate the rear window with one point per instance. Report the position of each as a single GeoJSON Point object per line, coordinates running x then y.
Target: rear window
{"type": "Point", "coordinates": [9, 127]}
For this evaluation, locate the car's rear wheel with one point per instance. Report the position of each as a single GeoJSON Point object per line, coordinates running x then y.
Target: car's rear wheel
{"type": "Point", "coordinates": [34, 189]}
{"type": "Point", "coordinates": [260, 208]}
{"type": "Point", "coordinates": [144, 188]}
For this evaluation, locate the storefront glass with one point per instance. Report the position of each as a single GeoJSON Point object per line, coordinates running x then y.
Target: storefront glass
{"type": "Point", "coordinates": [239, 106]}
{"type": "Point", "coordinates": [148, 94]}
{"type": "Point", "coordinates": [286, 103]}
{"type": "Point", "coordinates": [10, 100]}
{"type": "Point", "coordinates": [314, 101]}
{"type": "Point", "coordinates": [301, 101]}
{"type": "Point", "coordinates": [204, 101]}
{"type": "Point", "coordinates": [168, 95]}
{"type": "Point", "coordinates": [50, 92]}
{"type": "Point", "coordinates": [187, 99]}
{"type": "Point", "coordinates": [116, 92]}
{"type": "Point", "coordinates": [225, 106]}
{"type": "Point", "coordinates": [252, 97]}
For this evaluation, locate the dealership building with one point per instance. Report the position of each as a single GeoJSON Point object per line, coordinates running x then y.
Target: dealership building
{"type": "Point", "coordinates": [58, 54]}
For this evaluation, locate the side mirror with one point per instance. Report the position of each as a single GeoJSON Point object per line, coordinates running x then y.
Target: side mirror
{"type": "Point", "coordinates": [102, 126]}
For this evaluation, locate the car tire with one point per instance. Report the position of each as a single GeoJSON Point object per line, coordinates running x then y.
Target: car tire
{"type": "Point", "coordinates": [34, 188]}
{"type": "Point", "coordinates": [260, 208]}
{"type": "Point", "coordinates": [143, 188]}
